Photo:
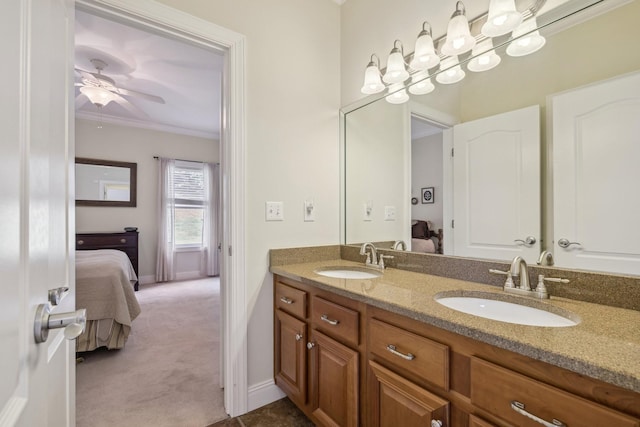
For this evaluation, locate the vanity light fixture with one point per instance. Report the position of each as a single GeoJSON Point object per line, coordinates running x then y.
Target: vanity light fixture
{"type": "Point", "coordinates": [421, 84]}
{"type": "Point", "coordinates": [459, 39]}
{"type": "Point", "coordinates": [485, 58]}
{"type": "Point", "coordinates": [527, 39]}
{"type": "Point", "coordinates": [397, 94]}
{"type": "Point", "coordinates": [450, 71]}
{"type": "Point", "coordinates": [396, 69]}
{"type": "Point", "coordinates": [424, 55]}
{"type": "Point", "coordinates": [97, 95]}
{"type": "Point", "coordinates": [372, 82]}
{"type": "Point", "coordinates": [502, 19]}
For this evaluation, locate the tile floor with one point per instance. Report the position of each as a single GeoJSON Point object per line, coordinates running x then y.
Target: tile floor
{"type": "Point", "coordinates": [281, 413]}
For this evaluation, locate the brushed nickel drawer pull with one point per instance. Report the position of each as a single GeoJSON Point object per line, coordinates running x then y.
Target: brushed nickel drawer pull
{"type": "Point", "coordinates": [392, 349]}
{"type": "Point", "coordinates": [80, 242]}
{"type": "Point", "coordinates": [519, 408]}
{"type": "Point", "coordinates": [123, 240]}
{"type": "Point", "coordinates": [286, 300]}
{"type": "Point", "coordinates": [332, 322]}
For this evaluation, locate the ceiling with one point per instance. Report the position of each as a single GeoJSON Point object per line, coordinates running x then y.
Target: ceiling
{"type": "Point", "coordinates": [186, 76]}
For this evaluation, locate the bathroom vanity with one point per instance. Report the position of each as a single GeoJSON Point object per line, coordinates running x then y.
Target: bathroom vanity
{"type": "Point", "coordinates": [382, 352]}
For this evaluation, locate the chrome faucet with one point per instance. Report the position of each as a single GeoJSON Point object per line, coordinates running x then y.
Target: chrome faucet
{"type": "Point", "coordinates": [372, 256]}
{"type": "Point", "coordinates": [399, 245]}
{"type": "Point", "coordinates": [519, 269]}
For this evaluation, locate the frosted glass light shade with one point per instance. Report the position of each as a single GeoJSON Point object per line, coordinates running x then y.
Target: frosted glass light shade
{"type": "Point", "coordinates": [372, 82]}
{"type": "Point", "coordinates": [397, 94]}
{"type": "Point", "coordinates": [424, 54]}
{"type": "Point", "coordinates": [459, 39]}
{"type": "Point", "coordinates": [450, 71]}
{"type": "Point", "coordinates": [503, 18]}
{"type": "Point", "coordinates": [485, 58]}
{"type": "Point", "coordinates": [528, 43]}
{"type": "Point", "coordinates": [421, 84]}
{"type": "Point", "coordinates": [97, 95]}
{"type": "Point", "coordinates": [396, 71]}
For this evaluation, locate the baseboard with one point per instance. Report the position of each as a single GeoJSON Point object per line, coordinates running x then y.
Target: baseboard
{"type": "Point", "coordinates": [145, 280]}
{"type": "Point", "coordinates": [188, 275]}
{"type": "Point", "coordinates": [262, 394]}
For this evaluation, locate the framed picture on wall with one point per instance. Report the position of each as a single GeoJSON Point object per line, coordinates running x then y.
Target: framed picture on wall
{"type": "Point", "coordinates": [427, 195]}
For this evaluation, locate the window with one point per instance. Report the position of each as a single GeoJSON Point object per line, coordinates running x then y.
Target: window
{"type": "Point", "coordinates": [189, 198]}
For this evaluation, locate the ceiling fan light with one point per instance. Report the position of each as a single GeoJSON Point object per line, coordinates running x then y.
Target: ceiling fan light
{"type": "Point", "coordinates": [424, 54]}
{"type": "Point", "coordinates": [97, 95]}
{"type": "Point", "coordinates": [372, 83]}
{"type": "Point", "coordinates": [502, 18]}
{"type": "Point", "coordinates": [450, 71]}
{"type": "Point", "coordinates": [484, 57]}
{"type": "Point", "coordinates": [526, 39]}
{"type": "Point", "coordinates": [421, 84]}
{"type": "Point", "coordinates": [397, 94]}
{"type": "Point", "coordinates": [459, 39]}
{"type": "Point", "coordinates": [396, 70]}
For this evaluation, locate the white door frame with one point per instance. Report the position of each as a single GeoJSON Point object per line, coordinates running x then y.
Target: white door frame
{"type": "Point", "coordinates": [188, 27]}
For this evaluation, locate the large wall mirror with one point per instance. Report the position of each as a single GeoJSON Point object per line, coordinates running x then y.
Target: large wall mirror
{"type": "Point", "coordinates": [105, 183]}
{"type": "Point", "coordinates": [384, 168]}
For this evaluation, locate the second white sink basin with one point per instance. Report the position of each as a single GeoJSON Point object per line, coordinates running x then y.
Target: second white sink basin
{"type": "Point", "coordinates": [344, 272]}
{"type": "Point", "coordinates": [512, 310]}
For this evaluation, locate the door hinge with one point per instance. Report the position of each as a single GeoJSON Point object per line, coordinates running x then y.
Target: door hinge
{"type": "Point", "coordinates": [453, 223]}
{"type": "Point", "coordinates": [452, 152]}
{"type": "Point", "coordinates": [230, 251]}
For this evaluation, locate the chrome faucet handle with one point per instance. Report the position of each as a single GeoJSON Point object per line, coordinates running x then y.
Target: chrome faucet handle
{"type": "Point", "coordinates": [382, 257]}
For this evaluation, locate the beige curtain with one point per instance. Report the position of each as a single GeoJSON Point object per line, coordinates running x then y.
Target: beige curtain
{"type": "Point", "coordinates": [210, 235]}
{"type": "Point", "coordinates": [165, 260]}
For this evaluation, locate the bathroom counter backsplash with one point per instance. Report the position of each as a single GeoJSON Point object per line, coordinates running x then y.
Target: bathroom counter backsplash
{"type": "Point", "coordinates": [605, 344]}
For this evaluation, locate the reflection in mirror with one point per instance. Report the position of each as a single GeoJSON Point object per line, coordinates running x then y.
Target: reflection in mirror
{"type": "Point", "coordinates": [105, 183]}
{"type": "Point", "coordinates": [379, 167]}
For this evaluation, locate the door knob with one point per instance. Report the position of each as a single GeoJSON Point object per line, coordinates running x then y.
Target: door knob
{"type": "Point", "coordinates": [529, 240]}
{"type": "Point", "coordinates": [73, 323]}
{"type": "Point", "coordinates": [565, 243]}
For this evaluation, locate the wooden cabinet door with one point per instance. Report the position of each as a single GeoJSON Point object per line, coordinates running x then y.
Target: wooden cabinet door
{"type": "Point", "coordinates": [291, 356]}
{"type": "Point", "coordinates": [333, 374]}
{"type": "Point", "coordinates": [396, 401]}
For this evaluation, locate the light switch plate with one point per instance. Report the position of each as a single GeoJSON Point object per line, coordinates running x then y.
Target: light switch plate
{"type": "Point", "coordinates": [367, 212]}
{"type": "Point", "coordinates": [309, 211]}
{"type": "Point", "coordinates": [274, 211]}
{"type": "Point", "coordinates": [389, 213]}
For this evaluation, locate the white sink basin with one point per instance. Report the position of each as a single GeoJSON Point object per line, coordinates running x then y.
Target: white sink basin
{"type": "Point", "coordinates": [508, 309]}
{"type": "Point", "coordinates": [343, 272]}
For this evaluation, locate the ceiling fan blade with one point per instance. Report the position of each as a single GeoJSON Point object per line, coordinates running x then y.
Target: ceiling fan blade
{"type": "Point", "coordinates": [146, 96]}
{"type": "Point", "coordinates": [86, 75]}
{"type": "Point", "coordinates": [81, 100]}
{"type": "Point", "coordinates": [129, 106]}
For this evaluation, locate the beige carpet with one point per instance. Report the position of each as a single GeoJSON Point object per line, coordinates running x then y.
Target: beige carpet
{"type": "Point", "coordinates": [168, 372]}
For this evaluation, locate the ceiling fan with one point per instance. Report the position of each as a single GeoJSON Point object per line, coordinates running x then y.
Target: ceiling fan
{"type": "Point", "coordinates": [101, 90]}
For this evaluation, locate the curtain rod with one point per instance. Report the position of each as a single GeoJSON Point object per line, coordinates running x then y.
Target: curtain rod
{"type": "Point", "coordinates": [192, 161]}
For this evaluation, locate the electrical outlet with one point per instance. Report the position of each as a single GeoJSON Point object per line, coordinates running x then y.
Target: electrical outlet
{"type": "Point", "coordinates": [309, 211]}
{"type": "Point", "coordinates": [389, 213]}
{"type": "Point", "coordinates": [274, 211]}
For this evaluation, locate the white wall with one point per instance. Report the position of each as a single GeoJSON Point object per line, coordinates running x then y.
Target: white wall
{"type": "Point", "coordinates": [127, 144]}
{"type": "Point", "coordinates": [292, 104]}
{"type": "Point", "coordinates": [426, 171]}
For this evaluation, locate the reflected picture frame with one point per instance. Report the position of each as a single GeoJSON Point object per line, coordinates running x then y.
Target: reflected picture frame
{"type": "Point", "coordinates": [427, 195]}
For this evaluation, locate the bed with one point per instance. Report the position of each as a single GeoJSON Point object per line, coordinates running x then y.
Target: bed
{"type": "Point", "coordinates": [105, 280]}
{"type": "Point", "coordinates": [424, 239]}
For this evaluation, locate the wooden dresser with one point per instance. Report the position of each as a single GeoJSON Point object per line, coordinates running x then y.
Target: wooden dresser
{"type": "Point", "coordinates": [126, 242]}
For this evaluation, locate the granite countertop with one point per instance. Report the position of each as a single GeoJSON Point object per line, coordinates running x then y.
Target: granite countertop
{"type": "Point", "coordinates": [604, 345]}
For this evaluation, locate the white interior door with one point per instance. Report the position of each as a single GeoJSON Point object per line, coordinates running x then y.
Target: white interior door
{"type": "Point", "coordinates": [596, 151]}
{"type": "Point", "coordinates": [496, 186]}
{"type": "Point", "coordinates": [38, 380]}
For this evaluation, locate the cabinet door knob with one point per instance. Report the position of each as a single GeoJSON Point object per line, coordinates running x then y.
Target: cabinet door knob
{"type": "Point", "coordinates": [436, 423]}
{"type": "Point", "coordinates": [310, 345]}
{"type": "Point", "coordinates": [298, 337]}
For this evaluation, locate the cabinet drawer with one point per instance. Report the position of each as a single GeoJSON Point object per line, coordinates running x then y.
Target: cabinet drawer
{"type": "Point", "coordinates": [291, 300]}
{"type": "Point", "coordinates": [335, 320]}
{"type": "Point", "coordinates": [413, 353]}
{"type": "Point", "coordinates": [495, 389]}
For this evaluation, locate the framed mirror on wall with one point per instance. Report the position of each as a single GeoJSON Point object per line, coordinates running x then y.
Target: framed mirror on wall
{"type": "Point", "coordinates": [376, 126]}
{"type": "Point", "coordinates": [105, 183]}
